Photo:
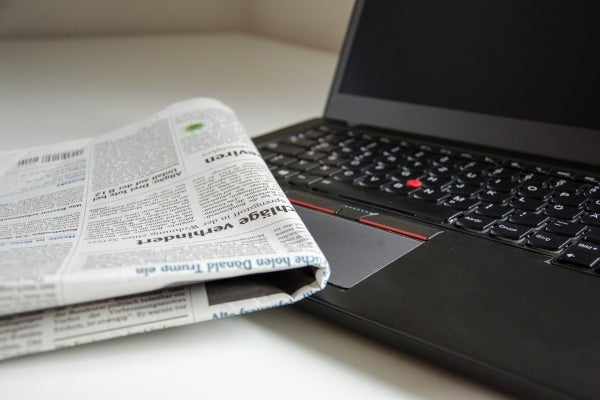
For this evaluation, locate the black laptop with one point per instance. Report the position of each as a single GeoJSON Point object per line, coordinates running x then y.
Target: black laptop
{"type": "Point", "coordinates": [453, 183]}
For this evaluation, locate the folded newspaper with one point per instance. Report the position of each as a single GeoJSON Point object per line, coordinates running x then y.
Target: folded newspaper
{"type": "Point", "coordinates": [171, 220]}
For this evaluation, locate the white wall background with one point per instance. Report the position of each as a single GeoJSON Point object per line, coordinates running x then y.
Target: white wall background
{"type": "Point", "coordinates": [316, 23]}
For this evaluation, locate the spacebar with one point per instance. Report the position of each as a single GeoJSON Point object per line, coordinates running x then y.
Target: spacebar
{"type": "Point", "coordinates": [430, 211]}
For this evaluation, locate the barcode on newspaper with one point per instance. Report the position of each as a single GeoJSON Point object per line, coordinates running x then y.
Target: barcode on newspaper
{"type": "Point", "coordinates": [50, 157]}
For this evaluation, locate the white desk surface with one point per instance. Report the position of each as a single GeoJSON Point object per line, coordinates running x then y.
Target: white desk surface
{"type": "Point", "coordinates": [58, 89]}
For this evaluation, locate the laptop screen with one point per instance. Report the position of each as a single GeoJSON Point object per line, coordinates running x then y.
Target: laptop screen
{"type": "Point", "coordinates": [522, 75]}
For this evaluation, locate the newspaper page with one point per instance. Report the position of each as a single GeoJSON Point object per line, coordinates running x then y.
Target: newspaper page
{"type": "Point", "coordinates": [171, 220]}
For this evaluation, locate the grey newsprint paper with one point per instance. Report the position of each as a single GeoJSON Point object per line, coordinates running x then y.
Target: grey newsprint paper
{"type": "Point", "coordinates": [171, 220]}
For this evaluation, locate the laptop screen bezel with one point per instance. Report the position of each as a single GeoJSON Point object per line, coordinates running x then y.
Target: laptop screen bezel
{"type": "Point", "coordinates": [547, 140]}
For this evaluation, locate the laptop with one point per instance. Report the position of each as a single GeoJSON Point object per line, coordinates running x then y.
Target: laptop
{"type": "Point", "coordinates": [453, 184]}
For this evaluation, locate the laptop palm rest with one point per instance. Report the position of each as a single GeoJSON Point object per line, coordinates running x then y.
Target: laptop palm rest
{"type": "Point", "coordinates": [355, 251]}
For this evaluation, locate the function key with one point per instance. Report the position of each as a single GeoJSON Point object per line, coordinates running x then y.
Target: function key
{"type": "Point", "coordinates": [589, 179]}
{"type": "Point", "coordinates": [505, 172]}
{"type": "Point", "coordinates": [563, 174]}
{"type": "Point", "coordinates": [540, 170]}
{"type": "Point", "coordinates": [517, 165]}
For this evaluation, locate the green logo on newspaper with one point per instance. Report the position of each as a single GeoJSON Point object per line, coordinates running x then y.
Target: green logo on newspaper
{"type": "Point", "coordinates": [194, 127]}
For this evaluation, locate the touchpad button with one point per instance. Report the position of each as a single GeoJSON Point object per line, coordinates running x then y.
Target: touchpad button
{"type": "Point", "coordinates": [354, 251]}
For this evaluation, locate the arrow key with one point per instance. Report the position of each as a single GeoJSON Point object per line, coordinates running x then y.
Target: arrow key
{"type": "Point", "coordinates": [579, 258]}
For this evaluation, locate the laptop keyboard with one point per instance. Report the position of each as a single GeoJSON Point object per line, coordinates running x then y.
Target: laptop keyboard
{"type": "Point", "coordinates": [542, 208]}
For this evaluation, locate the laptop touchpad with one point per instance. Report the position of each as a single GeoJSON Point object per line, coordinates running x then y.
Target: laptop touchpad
{"type": "Point", "coordinates": [354, 251]}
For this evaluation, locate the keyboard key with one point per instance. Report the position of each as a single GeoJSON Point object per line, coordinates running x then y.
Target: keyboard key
{"type": "Point", "coordinates": [283, 173]}
{"type": "Point", "coordinates": [346, 176]}
{"type": "Point", "coordinates": [569, 199]}
{"type": "Point", "coordinates": [535, 179]}
{"type": "Point", "coordinates": [591, 219]}
{"type": "Point", "coordinates": [494, 196]}
{"type": "Point", "coordinates": [528, 218]}
{"type": "Point", "coordinates": [356, 164]}
{"type": "Point", "coordinates": [370, 181]}
{"type": "Point", "coordinates": [435, 182]}
{"type": "Point", "coordinates": [473, 178]}
{"type": "Point", "coordinates": [564, 185]}
{"type": "Point", "coordinates": [325, 171]}
{"type": "Point", "coordinates": [494, 210]}
{"type": "Point", "coordinates": [593, 235]}
{"type": "Point", "coordinates": [461, 202]}
{"type": "Point", "coordinates": [312, 155]}
{"type": "Point", "coordinates": [281, 160]}
{"type": "Point", "coordinates": [430, 195]}
{"type": "Point", "coordinates": [333, 160]}
{"type": "Point", "coordinates": [399, 188]}
{"type": "Point", "coordinates": [547, 241]}
{"type": "Point", "coordinates": [462, 189]}
{"type": "Point", "coordinates": [579, 258]}
{"type": "Point", "coordinates": [302, 165]}
{"type": "Point", "coordinates": [298, 140]}
{"type": "Point", "coordinates": [535, 192]}
{"type": "Point", "coordinates": [594, 206]}
{"type": "Point", "coordinates": [524, 203]}
{"type": "Point", "coordinates": [303, 179]}
{"type": "Point", "coordinates": [594, 192]}
{"type": "Point", "coordinates": [562, 212]}
{"type": "Point", "coordinates": [475, 222]}
{"type": "Point", "coordinates": [287, 149]}
{"type": "Point", "coordinates": [510, 231]}
{"type": "Point", "coordinates": [505, 172]}
{"type": "Point", "coordinates": [565, 228]}
{"type": "Point", "coordinates": [503, 185]}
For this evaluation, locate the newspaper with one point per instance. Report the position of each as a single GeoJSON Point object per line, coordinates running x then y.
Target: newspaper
{"type": "Point", "coordinates": [171, 220]}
